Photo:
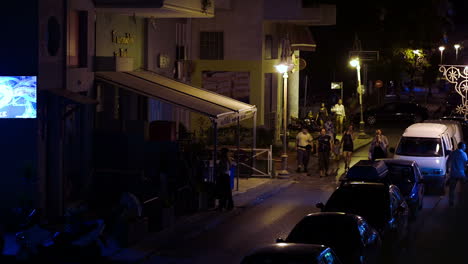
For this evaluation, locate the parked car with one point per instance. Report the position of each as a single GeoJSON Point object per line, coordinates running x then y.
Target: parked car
{"type": "Point", "coordinates": [349, 235]}
{"type": "Point", "coordinates": [428, 144]}
{"type": "Point", "coordinates": [394, 111]}
{"type": "Point", "coordinates": [405, 174]}
{"type": "Point", "coordinates": [461, 120]}
{"type": "Point", "coordinates": [382, 205]}
{"type": "Point", "coordinates": [281, 253]}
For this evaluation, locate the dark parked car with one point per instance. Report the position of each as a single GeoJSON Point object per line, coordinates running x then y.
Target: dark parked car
{"type": "Point", "coordinates": [403, 173]}
{"type": "Point", "coordinates": [382, 205]}
{"type": "Point", "coordinates": [284, 253]}
{"type": "Point", "coordinates": [394, 111]}
{"type": "Point", "coordinates": [349, 235]}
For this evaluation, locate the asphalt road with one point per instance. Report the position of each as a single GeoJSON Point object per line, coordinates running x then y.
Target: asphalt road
{"type": "Point", "coordinates": [436, 236]}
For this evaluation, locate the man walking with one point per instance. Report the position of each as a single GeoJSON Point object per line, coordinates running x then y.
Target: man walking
{"type": "Point", "coordinates": [340, 114]}
{"type": "Point", "coordinates": [324, 145]}
{"type": "Point", "coordinates": [303, 147]}
{"type": "Point", "coordinates": [457, 164]}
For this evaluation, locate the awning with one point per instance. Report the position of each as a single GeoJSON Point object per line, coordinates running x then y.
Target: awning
{"type": "Point", "coordinates": [223, 110]}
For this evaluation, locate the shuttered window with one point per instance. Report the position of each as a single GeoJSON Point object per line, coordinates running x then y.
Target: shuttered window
{"type": "Point", "coordinates": [211, 45]}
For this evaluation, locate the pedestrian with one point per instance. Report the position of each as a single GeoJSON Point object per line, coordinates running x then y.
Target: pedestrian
{"type": "Point", "coordinates": [340, 115]}
{"type": "Point", "coordinates": [457, 164]}
{"type": "Point", "coordinates": [303, 147]}
{"type": "Point", "coordinates": [329, 127]}
{"type": "Point", "coordinates": [322, 114]}
{"type": "Point", "coordinates": [336, 150]}
{"type": "Point", "coordinates": [324, 145]}
{"type": "Point", "coordinates": [378, 146]}
{"type": "Point", "coordinates": [347, 142]}
{"type": "Point", "coordinates": [223, 181]}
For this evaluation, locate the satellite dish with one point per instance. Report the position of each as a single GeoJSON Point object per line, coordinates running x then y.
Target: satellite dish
{"type": "Point", "coordinates": [302, 64]}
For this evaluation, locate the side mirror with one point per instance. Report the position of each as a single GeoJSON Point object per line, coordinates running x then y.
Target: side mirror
{"type": "Point", "coordinates": [320, 206]}
{"type": "Point", "coordinates": [280, 240]}
{"type": "Point", "coordinates": [391, 150]}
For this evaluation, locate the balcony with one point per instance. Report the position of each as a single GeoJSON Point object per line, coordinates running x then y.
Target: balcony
{"type": "Point", "coordinates": [293, 11]}
{"type": "Point", "coordinates": [159, 8]}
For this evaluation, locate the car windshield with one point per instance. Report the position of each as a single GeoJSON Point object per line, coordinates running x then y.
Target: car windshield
{"type": "Point", "coordinates": [401, 176]}
{"type": "Point", "coordinates": [337, 232]}
{"type": "Point", "coordinates": [420, 147]}
{"type": "Point", "coordinates": [370, 203]}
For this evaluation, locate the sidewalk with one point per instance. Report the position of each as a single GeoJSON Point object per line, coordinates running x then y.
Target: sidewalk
{"type": "Point", "coordinates": [251, 192]}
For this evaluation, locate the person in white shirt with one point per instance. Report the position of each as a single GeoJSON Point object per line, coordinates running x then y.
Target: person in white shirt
{"type": "Point", "coordinates": [340, 114]}
{"type": "Point", "coordinates": [303, 147]}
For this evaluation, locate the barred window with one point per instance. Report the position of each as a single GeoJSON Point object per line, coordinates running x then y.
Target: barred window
{"type": "Point", "coordinates": [211, 45]}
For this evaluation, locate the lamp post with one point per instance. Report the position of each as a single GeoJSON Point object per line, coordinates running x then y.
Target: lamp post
{"type": "Point", "coordinates": [441, 49]}
{"type": "Point", "coordinates": [283, 68]}
{"type": "Point", "coordinates": [356, 64]}
{"type": "Point", "coordinates": [456, 46]}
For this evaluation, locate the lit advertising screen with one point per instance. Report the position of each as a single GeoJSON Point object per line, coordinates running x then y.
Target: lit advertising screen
{"type": "Point", "coordinates": [18, 96]}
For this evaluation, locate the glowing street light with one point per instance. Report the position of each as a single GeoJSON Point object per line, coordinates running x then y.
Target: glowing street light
{"type": "Point", "coordinates": [356, 64]}
{"type": "Point", "coordinates": [283, 68]}
{"type": "Point", "coordinates": [441, 48]}
{"type": "Point", "coordinates": [456, 46]}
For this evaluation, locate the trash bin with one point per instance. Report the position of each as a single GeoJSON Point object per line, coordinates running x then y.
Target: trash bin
{"type": "Point", "coordinates": [232, 175]}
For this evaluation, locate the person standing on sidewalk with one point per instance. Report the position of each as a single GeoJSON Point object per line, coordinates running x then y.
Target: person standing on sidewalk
{"type": "Point", "coordinates": [340, 115]}
{"type": "Point", "coordinates": [303, 147]}
{"type": "Point", "coordinates": [324, 145]}
{"type": "Point", "coordinates": [378, 146]}
{"type": "Point", "coordinates": [457, 164]}
{"type": "Point", "coordinates": [224, 181]}
{"type": "Point", "coordinates": [347, 142]}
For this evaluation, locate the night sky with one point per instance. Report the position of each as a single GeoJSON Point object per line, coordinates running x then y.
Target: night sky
{"type": "Point", "coordinates": [377, 30]}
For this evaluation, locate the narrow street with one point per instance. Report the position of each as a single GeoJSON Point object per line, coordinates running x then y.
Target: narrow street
{"type": "Point", "coordinates": [435, 235]}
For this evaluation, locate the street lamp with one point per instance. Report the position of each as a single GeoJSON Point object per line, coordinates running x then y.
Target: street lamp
{"type": "Point", "coordinates": [441, 48]}
{"type": "Point", "coordinates": [283, 68]}
{"type": "Point", "coordinates": [456, 46]}
{"type": "Point", "coordinates": [356, 64]}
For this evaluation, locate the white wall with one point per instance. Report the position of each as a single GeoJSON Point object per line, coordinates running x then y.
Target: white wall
{"type": "Point", "coordinates": [242, 26]}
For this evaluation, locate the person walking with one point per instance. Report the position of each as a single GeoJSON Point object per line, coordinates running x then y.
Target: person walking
{"type": "Point", "coordinates": [324, 145]}
{"type": "Point", "coordinates": [224, 181]}
{"type": "Point", "coordinates": [322, 115]}
{"type": "Point", "coordinates": [340, 115]}
{"type": "Point", "coordinates": [457, 163]}
{"type": "Point", "coordinates": [303, 147]}
{"type": "Point", "coordinates": [378, 146]}
{"type": "Point", "coordinates": [347, 142]}
{"type": "Point", "coordinates": [329, 128]}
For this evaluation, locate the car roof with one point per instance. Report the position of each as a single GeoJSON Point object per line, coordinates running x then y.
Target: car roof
{"type": "Point", "coordinates": [399, 162]}
{"type": "Point", "coordinates": [312, 250]}
{"type": "Point", "coordinates": [366, 170]}
{"type": "Point", "coordinates": [428, 130]}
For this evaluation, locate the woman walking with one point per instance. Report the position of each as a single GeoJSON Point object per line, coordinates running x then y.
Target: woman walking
{"type": "Point", "coordinates": [322, 115]}
{"type": "Point", "coordinates": [348, 146]}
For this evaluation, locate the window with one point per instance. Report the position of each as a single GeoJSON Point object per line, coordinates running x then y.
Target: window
{"type": "Point", "coordinates": [419, 147]}
{"type": "Point", "coordinates": [211, 45]}
{"type": "Point", "coordinates": [77, 48]}
{"type": "Point", "coordinates": [268, 47]}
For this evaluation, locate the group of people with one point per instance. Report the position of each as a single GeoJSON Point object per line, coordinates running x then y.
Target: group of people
{"type": "Point", "coordinates": [327, 145]}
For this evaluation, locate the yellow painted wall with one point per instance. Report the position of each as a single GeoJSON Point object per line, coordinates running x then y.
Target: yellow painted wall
{"type": "Point", "coordinates": [256, 83]}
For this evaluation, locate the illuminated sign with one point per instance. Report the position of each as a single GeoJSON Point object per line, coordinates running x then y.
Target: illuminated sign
{"type": "Point", "coordinates": [18, 96]}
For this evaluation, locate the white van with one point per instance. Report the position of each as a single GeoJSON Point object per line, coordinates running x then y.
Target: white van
{"type": "Point", "coordinates": [454, 127]}
{"type": "Point", "coordinates": [429, 144]}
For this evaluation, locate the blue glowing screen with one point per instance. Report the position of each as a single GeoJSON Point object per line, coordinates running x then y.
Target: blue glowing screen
{"type": "Point", "coordinates": [18, 96]}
